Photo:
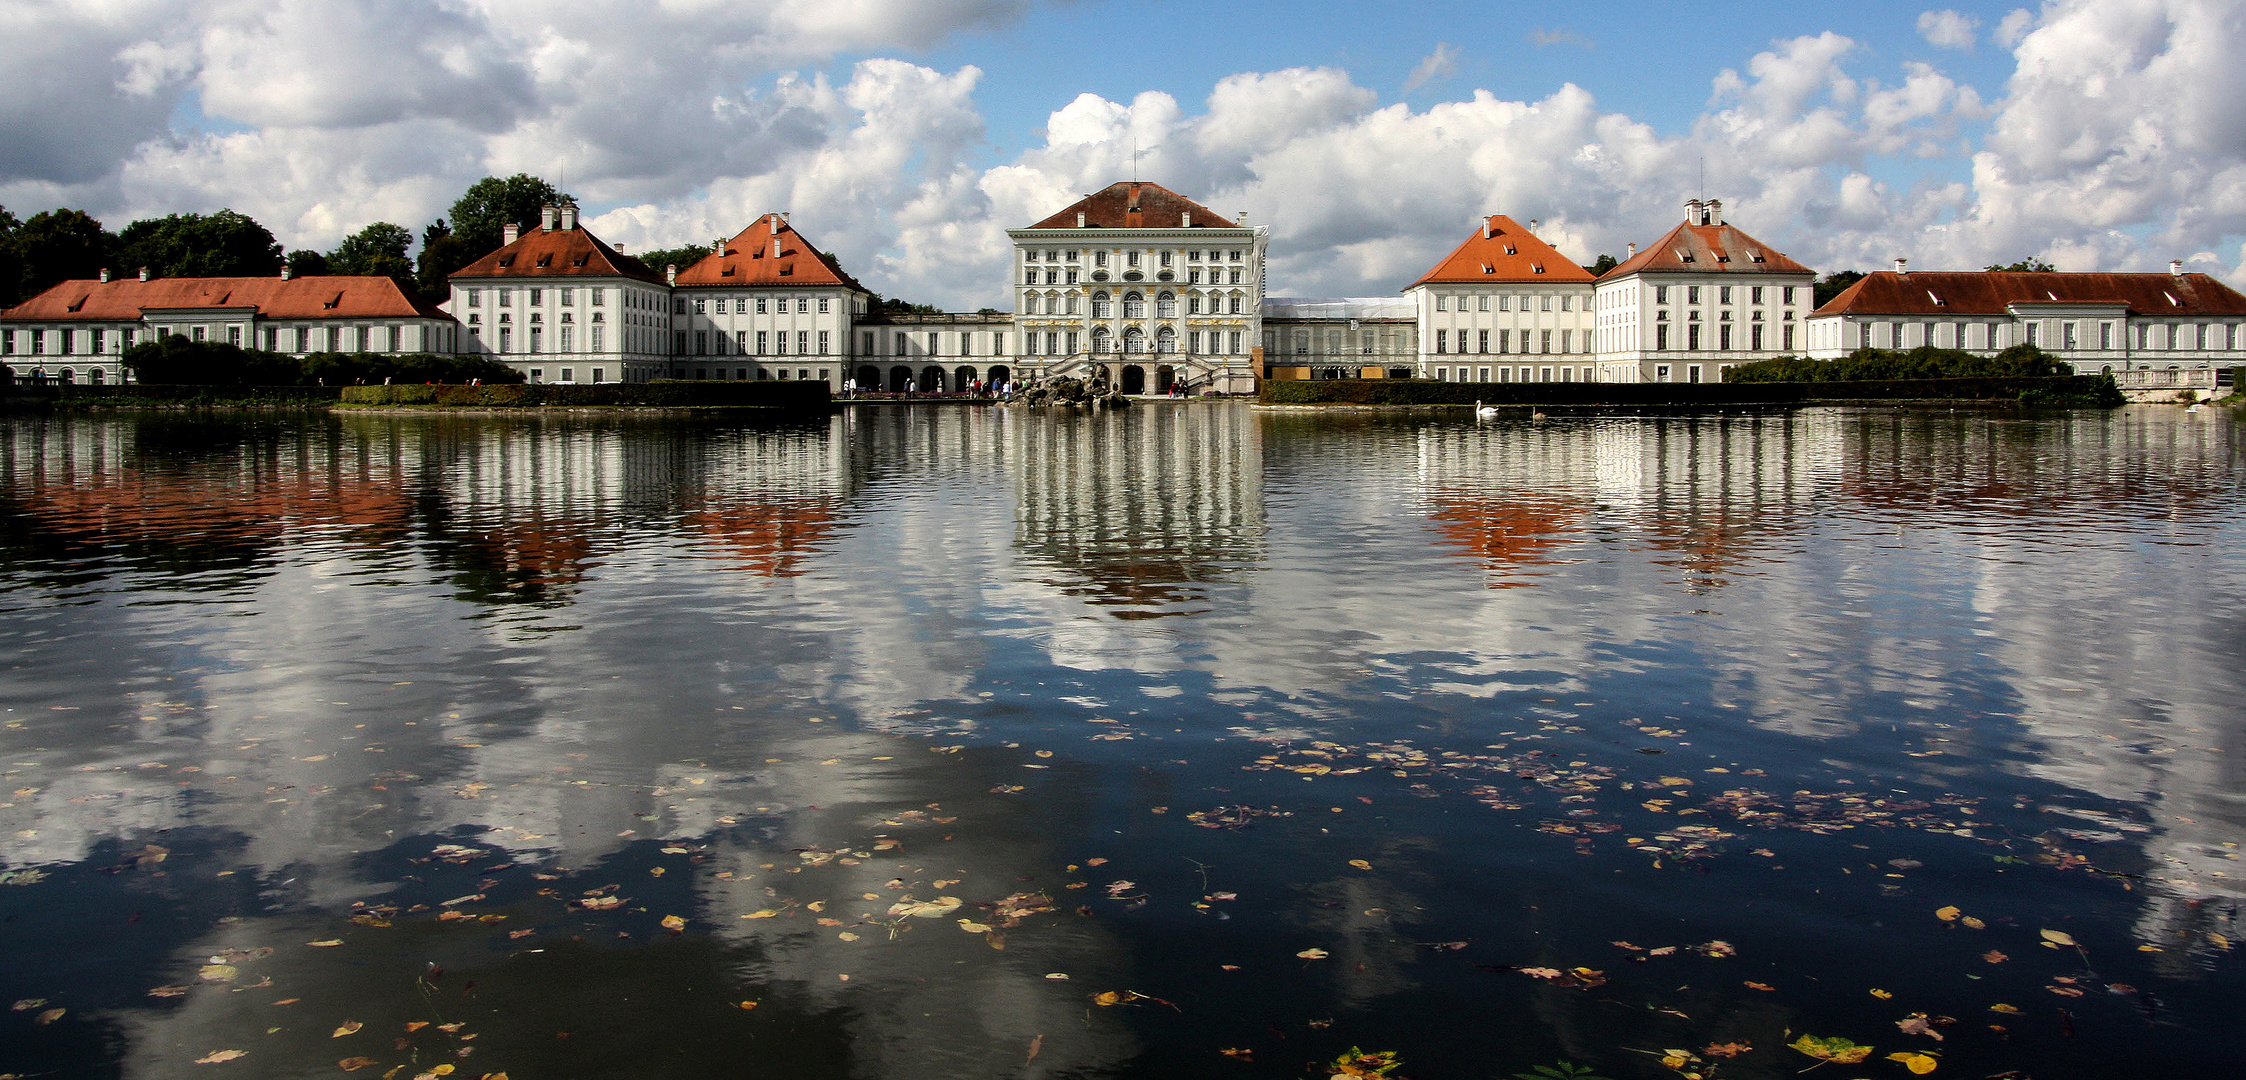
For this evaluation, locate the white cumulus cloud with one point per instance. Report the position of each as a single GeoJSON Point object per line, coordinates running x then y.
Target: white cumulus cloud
{"type": "Point", "coordinates": [1949, 29]}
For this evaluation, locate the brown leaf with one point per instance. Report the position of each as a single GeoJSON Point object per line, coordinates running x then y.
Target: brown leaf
{"type": "Point", "coordinates": [1994, 957]}
{"type": "Point", "coordinates": [219, 1056]}
{"type": "Point", "coordinates": [1765, 987]}
{"type": "Point", "coordinates": [48, 1017]}
{"type": "Point", "coordinates": [354, 1064]}
{"type": "Point", "coordinates": [1726, 1050]}
{"type": "Point", "coordinates": [349, 1027]}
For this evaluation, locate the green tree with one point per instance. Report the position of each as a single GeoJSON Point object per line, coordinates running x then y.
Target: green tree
{"type": "Point", "coordinates": [1835, 284]}
{"type": "Point", "coordinates": [11, 257]}
{"type": "Point", "coordinates": [176, 360]}
{"type": "Point", "coordinates": [379, 250]}
{"type": "Point", "coordinates": [489, 204]}
{"type": "Point", "coordinates": [59, 245]}
{"type": "Point", "coordinates": [224, 244]}
{"type": "Point", "coordinates": [2029, 265]}
{"type": "Point", "coordinates": [305, 262]}
{"type": "Point", "coordinates": [442, 252]}
{"type": "Point", "coordinates": [1602, 264]}
{"type": "Point", "coordinates": [681, 257]}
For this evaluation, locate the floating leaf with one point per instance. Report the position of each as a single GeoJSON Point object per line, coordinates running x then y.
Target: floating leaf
{"type": "Point", "coordinates": [1360, 864]}
{"type": "Point", "coordinates": [328, 944]}
{"type": "Point", "coordinates": [1881, 994]}
{"type": "Point", "coordinates": [49, 1017]}
{"type": "Point", "coordinates": [925, 909]}
{"type": "Point", "coordinates": [1920, 1064]}
{"type": "Point", "coordinates": [2003, 1008]}
{"type": "Point", "coordinates": [354, 1064]}
{"type": "Point", "coordinates": [1313, 954]}
{"type": "Point", "coordinates": [1764, 987]}
{"type": "Point", "coordinates": [219, 973]}
{"type": "Point", "coordinates": [216, 1057]}
{"type": "Point", "coordinates": [27, 1004]}
{"type": "Point", "coordinates": [1947, 914]}
{"type": "Point", "coordinates": [764, 914]}
{"type": "Point", "coordinates": [348, 1027]}
{"type": "Point", "coordinates": [1726, 1050]}
{"type": "Point", "coordinates": [1237, 1052]}
{"type": "Point", "coordinates": [1836, 1049]}
{"type": "Point", "coordinates": [973, 927]}
{"type": "Point", "coordinates": [1994, 957]}
{"type": "Point", "coordinates": [2059, 937]}
{"type": "Point", "coordinates": [1971, 923]}
{"type": "Point", "coordinates": [673, 923]}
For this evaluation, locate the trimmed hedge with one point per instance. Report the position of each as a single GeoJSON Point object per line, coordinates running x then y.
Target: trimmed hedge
{"type": "Point", "coordinates": [2075, 390]}
{"type": "Point", "coordinates": [1925, 362]}
{"type": "Point", "coordinates": [799, 396]}
{"type": "Point", "coordinates": [124, 394]}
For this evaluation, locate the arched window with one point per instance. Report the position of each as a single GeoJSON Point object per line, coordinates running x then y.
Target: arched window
{"type": "Point", "coordinates": [1165, 340]}
{"type": "Point", "coordinates": [1134, 341]}
{"type": "Point", "coordinates": [1134, 306]}
{"type": "Point", "coordinates": [1100, 307]}
{"type": "Point", "coordinates": [1236, 303]}
{"type": "Point", "coordinates": [1100, 342]}
{"type": "Point", "coordinates": [1166, 305]}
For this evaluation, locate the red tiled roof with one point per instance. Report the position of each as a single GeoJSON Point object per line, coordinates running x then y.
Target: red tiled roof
{"type": "Point", "coordinates": [1992, 292]}
{"type": "Point", "coordinates": [558, 252]}
{"type": "Point", "coordinates": [296, 298]}
{"type": "Point", "coordinates": [1132, 204]}
{"type": "Point", "coordinates": [1501, 250]}
{"type": "Point", "coordinates": [747, 259]}
{"type": "Point", "coordinates": [1708, 249]}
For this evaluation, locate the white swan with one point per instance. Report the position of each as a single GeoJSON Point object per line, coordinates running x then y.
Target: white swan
{"type": "Point", "coordinates": [1484, 412]}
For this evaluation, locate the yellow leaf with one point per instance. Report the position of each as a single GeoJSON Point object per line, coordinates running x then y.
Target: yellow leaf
{"type": "Point", "coordinates": [219, 973]}
{"type": "Point", "coordinates": [1920, 1064]}
{"type": "Point", "coordinates": [973, 927]}
{"type": "Point", "coordinates": [1360, 864]}
{"type": "Point", "coordinates": [2003, 1008]}
{"type": "Point", "coordinates": [765, 914]}
{"type": "Point", "coordinates": [442, 1070]}
{"type": "Point", "coordinates": [1312, 954]}
{"type": "Point", "coordinates": [217, 1056]}
{"type": "Point", "coordinates": [2220, 941]}
{"type": "Point", "coordinates": [1108, 997]}
{"type": "Point", "coordinates": [349, 1027]}
{"type": "Point", "coordinates": [2059, 937]}
{"type": "Point", "coordinates": [673, 923]}
{"type": "Point", "coordinates": [1836, 1049]}
{"type": "Point", "coordinates": [1972, 923]}
{"type": "Point", "coordinates": [328, 944]}
{"type": "Point", "coordinates": [1882, 994]}
{"type": "Point", "coordinates": [1947, 914]}
{"type": "Point", "coordinates": [847, 936]}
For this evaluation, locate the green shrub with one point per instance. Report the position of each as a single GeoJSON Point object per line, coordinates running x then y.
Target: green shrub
{"type": "Point", "coordinates": [1926, 362]}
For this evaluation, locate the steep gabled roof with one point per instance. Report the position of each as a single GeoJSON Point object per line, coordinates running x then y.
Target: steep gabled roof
{"type": "Point", "coordinates": [1992, 292]}
{"type": "Point", "coordinates": [558, 253]}
{"type": "Point", "coordinates": [750, 259]}
{"type": "Point", "coordinates": [1502, 251]}
{"type": "Point", "coordinates": [1134, 204]}
{"type": "Point", "coordinates": [1708, 249]}
{"type": "Point", "coordinates": [295, 298]}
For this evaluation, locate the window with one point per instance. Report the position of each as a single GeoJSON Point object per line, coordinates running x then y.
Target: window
{"type": "Point", "coordinates": [1544, 343]}
{"type": "Point", "coordinates": [1754, 295]}
{"type": "Point", "coordinates": [599, 297]}
{"type": "Point", "coordinates": [2033, 332]}
{"type": "Point", "coordinates": [2066, 335]}
{"type": "Point", "coordinates": [678, 305]}
{"type": "Point", "coordinates": [1692, 294]}
{"type": "Point", "coordinates": [1723, 295]}
{"type": "Point", "coordinates": [1692, 338]}
{"type": "Point", "coordinates": [1234, 277]}
{"type": "Point", "coordinates": [1505, 303]}
{"type": "Point", "coordinates": [1788, 334]}
{"type": "Point", "coordinates": [1443, 374]}
{"type": "Point", "coordinates": [1193, 340]}
{"type": "Point", "coordinates": [1505, 341]}
{"type": "Point", "coordinates": [1661, 373]}
{"type": "Point", "coordinates": [1483, 344]}
{"type": "Point", "coordinates": [1236, 308]}
{"type": "Point", "coordinates": [823, 339]}
{"type": "Point", "coordinates": [1661, 294]}
{"type": "Point", "coordinates": [1442, 341]}
{"type": "Point", "coordinates": [823, 305]}
{"type": "Point", "coordinates": [1547, 305]}
{"type": "Point", "coordinates": [597, 339]}
{"type": "Point", "coordinates": [1567, 341]}
{"type": "Point", "coordinates": [1134, 306]}
{"type": "Point", "coordinates": [1442, 303]}
{"type": "Point", "coordinates": [1166, 305]}
{"type": "Point", "coordinates": [1235, 342]}
{"type": "Point", "coordinates": [1723, 336]}
{"type": "Point", "coordinates": [802, 342]}
{"type": "Point", "coordinates": [1100, 306]}
{"type": "Point", "coordinates": [1567, 303]}
{"type": "Point", "coordinates": [475, 297]}
{"type": "Point", "coordinates": [762, 346]}
{"type": "Point", "coordinates": [1754, 337]}
{"type": "Point", "coordinates": [1484, 303]}
{"type": "Point", "coordinates": [1692, 373]}
{"type": "Point", "coordinates": [1193, 305]}
{"type": "Point", "coordinates": [1661, 337]}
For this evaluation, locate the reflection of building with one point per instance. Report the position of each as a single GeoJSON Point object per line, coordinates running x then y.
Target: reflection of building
{"type": "Point", "coordinates": [1145, 506]}
{"type": "Point", "coordinates": [1374, 337]}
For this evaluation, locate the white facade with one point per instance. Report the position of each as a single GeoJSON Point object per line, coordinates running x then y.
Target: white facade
{"type": "Point", "coordinates": [1506, 332]}
{"type": "Point", "coordinates": [1693, 328]}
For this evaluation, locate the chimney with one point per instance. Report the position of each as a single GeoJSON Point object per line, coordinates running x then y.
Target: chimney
{"type": "Point", "coordinates": [284, 271]}
{"type": "Point", "coordinates": [1080, 219]}
{"type": "Point", "coordinates": [1692, 211]}
{"type": "Point", "coordinates": [546, 215]}
{"type": "Point", "coordinates": [670, 273]}
{"type": "Point", "coordinates": [510, 232]}
{"type": "Point", "coordinates": [144, 273]}
{"type": "Point", "coordinates": [784, 218]}
{"type": "Point", "coordinates": [1489, 227]}
{"type": "Point", "coordinates": [1533, 223]}
{"type": "Point", "coordinates": [2176, 267]}
{"type": "Point", "coordinates": [1715, 211]}
{"type": "Point", "coordinates": [1633, 251]}
{"type": "Point", "coordinates": [569, 217]}
{"type": "Point", "coordinates": [1900, 263]}
{"type": "Point", "coordinates": [105, 275]}
{"type": "Point", "coordinates": [1185, 220]}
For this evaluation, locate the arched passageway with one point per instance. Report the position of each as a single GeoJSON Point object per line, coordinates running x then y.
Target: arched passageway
{"type": "Point", "coordinates": [869, 378]}
{"type": "Point", "coordinates": [931, 380]}
{"type": "Point", "coordinates": [1134, 379]}
{"type": "Point", "coordinates": [900, 379]}
{"type": "Point", "coordinates": [1165, 377]}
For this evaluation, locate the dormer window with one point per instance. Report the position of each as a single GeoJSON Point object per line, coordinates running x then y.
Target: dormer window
{"type": "Point", "coordinates": [1537, 267]}
{"type": "Point", "coordinates": [545, 261]}
{"type": "Point", "coordinates": [1488, 269]}
{"type": "Point", "coordinates": [1683, 255]}
{"type": "Point", "coordinates": [1511, 250]}
{"type": "Point", "coordinates": [508, 261]}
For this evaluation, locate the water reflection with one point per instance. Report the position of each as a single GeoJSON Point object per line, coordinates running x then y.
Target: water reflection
{"type": "Point", "coordinates": [440, 689]}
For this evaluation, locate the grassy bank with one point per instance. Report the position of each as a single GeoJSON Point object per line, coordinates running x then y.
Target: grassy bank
{"type": "Point", "coordinates": [2076, 391]}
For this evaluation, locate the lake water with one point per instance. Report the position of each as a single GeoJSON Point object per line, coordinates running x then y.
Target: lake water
{"type": "Point", "coordinates": [1195, 740]}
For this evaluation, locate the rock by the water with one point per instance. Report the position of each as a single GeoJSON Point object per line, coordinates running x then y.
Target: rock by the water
{"type": "Point", "coordinates": [1066, 393]}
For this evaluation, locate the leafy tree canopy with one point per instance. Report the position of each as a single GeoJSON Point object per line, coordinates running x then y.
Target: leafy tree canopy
{"type": "Point", "coordinates": [305, 262]}
{"type": "Point", "coordinates": [1926, 362]}
{"type": "Point", "coordinates": [1602, 264]}
{"type": "Point", "coordinates": [1835, 284]}
{"type": "Point", "coordinates": [681, 257]}
{"type": "Point", "coordinates": [377, 250]}
{"type": "Point", "coordinates": [224, 244]}
{"type": "Point", "coordinates": [55, 246]}
{"type": "Point", "coordinates": [2030, 265]}
{"type": "Point", "coordinates": [442, 252]}
{"type": "Point", "coordinates": [490, 203]}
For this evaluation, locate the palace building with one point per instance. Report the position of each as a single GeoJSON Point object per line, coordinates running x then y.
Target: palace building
{"type": "Point", "coordinates": [1153, 292]}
